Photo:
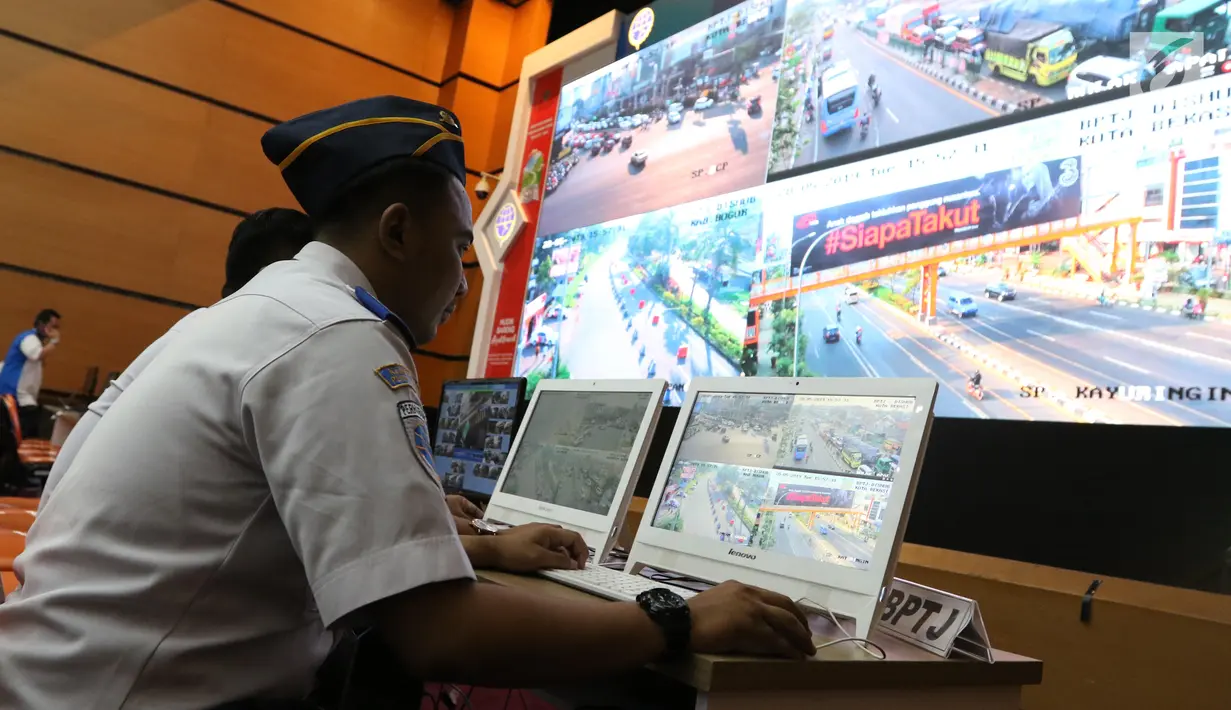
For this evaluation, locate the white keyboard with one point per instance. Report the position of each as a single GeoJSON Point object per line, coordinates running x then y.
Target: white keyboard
{"type": "Point", "coordinates": [610, 584]}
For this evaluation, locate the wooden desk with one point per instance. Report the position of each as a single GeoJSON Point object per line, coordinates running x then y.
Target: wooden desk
{"type": "Point", "coordinates": [839, 676]}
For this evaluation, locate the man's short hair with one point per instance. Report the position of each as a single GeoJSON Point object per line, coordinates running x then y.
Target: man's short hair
{"type": "Point", "coordinates": [262, 238]}
{"type": "Point", "coordinates": [44, 316]}
{"type": "Point", "coordinates": [384, 184]}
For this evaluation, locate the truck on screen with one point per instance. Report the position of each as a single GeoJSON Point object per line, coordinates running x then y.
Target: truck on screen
{"type": "Point", "coordinates": [1033, 51]}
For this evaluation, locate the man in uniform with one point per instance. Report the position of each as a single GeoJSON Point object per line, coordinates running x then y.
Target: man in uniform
{"type": "Point", "coordinates": [267, 482]}
{"type": "Point", "coordinates": [260, 239]}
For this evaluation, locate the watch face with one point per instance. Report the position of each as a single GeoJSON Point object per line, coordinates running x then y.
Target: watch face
{"type": "Point", "coordinates": [666, 600]}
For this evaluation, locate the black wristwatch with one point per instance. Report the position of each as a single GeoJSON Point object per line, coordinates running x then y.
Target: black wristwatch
{"type": "Point", "coordinates": [671, 613]}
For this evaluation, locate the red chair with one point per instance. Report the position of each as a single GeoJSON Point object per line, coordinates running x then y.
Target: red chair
{"type": "Point", "coordinates": [36, 455]}
{"type": "Point", "coordinates": [12, 544]}
{"type": "Point", "coordinates": [23, 503]}
{"type": "Point", "coordinates": [9, 580]}
{"type": "Point", "coordinates": [16, 519]}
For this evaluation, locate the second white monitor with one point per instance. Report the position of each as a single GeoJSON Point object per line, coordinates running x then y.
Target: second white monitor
{"type": "Point", "coordinates": [575, 460]}
{"type": "Point", "coordinates": [800, 486]}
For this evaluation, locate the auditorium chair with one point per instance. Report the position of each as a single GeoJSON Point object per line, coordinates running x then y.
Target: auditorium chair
{"type": "Point", "coordinates": [11, 545]}
{"type": "Point", "coordinates": [23, 503]}
{"type": "Point", "coordinates": [16, 519]}
{"type": "Point", "coordinates": [33, 457]}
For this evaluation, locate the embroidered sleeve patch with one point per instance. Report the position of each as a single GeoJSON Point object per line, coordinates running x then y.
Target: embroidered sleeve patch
{"type": "Point", "coordinates": [396, 376]}
{"type": "Point", "coordinates": [414, 423]}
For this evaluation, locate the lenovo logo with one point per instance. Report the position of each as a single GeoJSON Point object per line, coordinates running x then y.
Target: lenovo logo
{"type": "Point", "coordinates": [745, 555]}
{"type": "Point", "coordinates": [545, 508]}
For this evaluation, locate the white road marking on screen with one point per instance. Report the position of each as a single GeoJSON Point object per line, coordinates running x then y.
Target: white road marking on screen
{"type": "Point", "coordinates": [895, 118]}
{"type": "Point", "coordinates": [1134, 338]}
{"type": "Point", "coordinates": [1049, 366]}
{"type": "Point", "coordinates": [1125, 365]}
{"type": "Point", "coordinates": [1037, 334]}
{"type": "Point", "coordinates": [961, 396]}
{"type": "Point", "coordinates": [1211, 337]}
{"type": "Point", "coordinates": [864, 365]}
{"type": "Point", "coordinates": [1108, 316]}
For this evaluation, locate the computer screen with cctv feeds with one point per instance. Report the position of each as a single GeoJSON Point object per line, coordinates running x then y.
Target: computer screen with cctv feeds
{"type": "Point", "coordinates": [575, 448]}
{"type": "Point", "coordinates": [807, 476]}
{"type": "Point", "coordinates": [476, 425]}
{"type": "Point", "coordinates": [1077, 262]}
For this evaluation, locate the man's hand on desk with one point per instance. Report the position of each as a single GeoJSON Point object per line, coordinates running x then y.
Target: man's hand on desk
{"type": "Point", "coordinates": [736, 618]}
{"type": "Point", "coordinates": [462, 508]}
{"type": "Point", "coordinates": [536, 546]}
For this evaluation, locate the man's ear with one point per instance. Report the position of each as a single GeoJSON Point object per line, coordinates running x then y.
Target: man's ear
{"type": "Point", "coordinates": [393, 230]}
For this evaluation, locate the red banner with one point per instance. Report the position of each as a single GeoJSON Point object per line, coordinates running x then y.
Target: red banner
{"type": "Point", "coordinates": [502, 347]}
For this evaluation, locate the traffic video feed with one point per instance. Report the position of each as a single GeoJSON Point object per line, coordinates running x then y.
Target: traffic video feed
{"type": "Point", "coordinates": [844, 436]}
{"type": "Point", "coordinates": [686, 118]}
{"type": "Point", "coordinates": [872, 73]}
{"type": "Point", "coordinates": [576, 447]}
{"type": "Point", "coordinates": [1093, 289]}
{"type": "Point", "coordinates": [823, 472]}
{"type": "Point", "coordinates": [659, 295]}
{"type": "Point", "coordinates": [473, 434]}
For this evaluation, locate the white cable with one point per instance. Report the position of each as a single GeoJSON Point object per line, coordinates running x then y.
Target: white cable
{"type": "Point", "coordinates": [862, 644]}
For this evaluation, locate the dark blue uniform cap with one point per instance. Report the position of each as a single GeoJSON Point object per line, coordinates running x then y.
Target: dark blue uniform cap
{"type": "Point", "coordinates": [320, 153]}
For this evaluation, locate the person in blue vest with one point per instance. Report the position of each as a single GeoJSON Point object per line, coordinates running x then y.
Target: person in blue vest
{"type": "Point", "coordinates": [21, 375]}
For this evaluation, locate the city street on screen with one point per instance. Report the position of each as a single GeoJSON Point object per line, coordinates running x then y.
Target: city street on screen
{"type": "Point", "coordinates": [1073, 266]}
{"type": "Point", "coordinates": [805, 476]}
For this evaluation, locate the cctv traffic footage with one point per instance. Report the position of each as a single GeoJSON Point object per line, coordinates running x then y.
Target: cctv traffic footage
{"type": "Point", "coordinates": [575, 448]}
{"type": "Point", "coordinates": [658, 295]}
{"type": "Point", "coordinates": [1102, 269]}
{"type": "Point", "coordinates": [941, 65]}
{"type": "Point", "coordinates": [843, 436]}
{"type": "Point", "coordinates": [806, 515]}
{"type": "Point", "coordinates": [473, 435]}
{"type": "Point", "coordinates": [686, 118]}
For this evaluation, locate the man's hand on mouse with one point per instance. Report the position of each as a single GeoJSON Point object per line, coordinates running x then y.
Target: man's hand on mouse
{"type": "Point", "coordinates": [736, 618]}
{"type": "Point", "coordinates": [537, 546]}
{"type": "Point", "coordinates": [460, 507]}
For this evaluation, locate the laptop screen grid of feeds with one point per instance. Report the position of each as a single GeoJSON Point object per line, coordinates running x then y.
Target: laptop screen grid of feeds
{"type": "Point", "coordinates": [807, 476]}
{"type": "Point", "coordinates": [473, 434]}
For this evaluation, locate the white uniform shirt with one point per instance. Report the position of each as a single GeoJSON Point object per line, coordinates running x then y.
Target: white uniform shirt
{"type": "Point", "coordinates": [85, 426]}
{"type": "Point", "coordinates": [255, 486]}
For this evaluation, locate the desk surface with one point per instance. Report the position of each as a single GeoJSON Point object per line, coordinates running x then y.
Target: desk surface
{"type": "Point", "coordinates": [843, 666]}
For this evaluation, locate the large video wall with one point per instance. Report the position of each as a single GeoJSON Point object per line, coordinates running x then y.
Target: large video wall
{"type": "Point", "coordinates": [1078, 261]}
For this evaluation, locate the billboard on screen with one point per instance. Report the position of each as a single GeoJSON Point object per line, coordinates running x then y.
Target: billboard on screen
{"type": "Point", "coordinates": [1066, 255]}
{"type": "Point", "coordinates": [929, 216]}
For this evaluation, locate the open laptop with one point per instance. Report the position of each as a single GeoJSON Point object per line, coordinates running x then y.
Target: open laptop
{"type": "Point", "coordinates": [576, 457]}
{"type": "Point", "coordinates": [798, 486]}
{"type": "Point", "coordinates": [474, 430]}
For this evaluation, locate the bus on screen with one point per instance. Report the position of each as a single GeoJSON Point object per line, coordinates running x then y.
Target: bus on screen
{"type": "Point", "coordinates": [839, 90]}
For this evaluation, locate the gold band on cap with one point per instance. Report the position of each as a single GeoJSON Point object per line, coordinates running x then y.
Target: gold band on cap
{"type": "Point", "coordinates": [445, 134]}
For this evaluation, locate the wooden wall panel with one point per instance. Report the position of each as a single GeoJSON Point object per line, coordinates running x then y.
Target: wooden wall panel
{"type": "Point", "coordinates": [477, 107]}
{"type": "Point", "coordinates": [411, 34]}
{"type": "Point", "coordinates": [529, 33]}
{"type": "Point", "coordinates": [99, 329]}
{"type": "Point", "coordinates": [432, 376]}
{"type": "Point", "coordinates": [210, 49]}
{"type": "Point", "coordinates": [90, 117]}
{"type": "Point", "coordinates": [208, 78]}
{"type": "Point", "coordinates": [63, 222]}
{"type": "Point", "coordinates": [481, 57]}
